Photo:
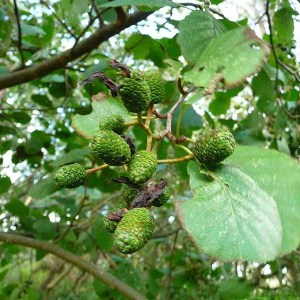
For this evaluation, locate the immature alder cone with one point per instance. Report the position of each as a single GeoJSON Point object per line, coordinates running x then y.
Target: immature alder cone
{"type": "Point", "coordinates": [70, 176]}
{"type": "Point", "coordinates": [135, 93]}
{"type": "Point", "coordinates": [142, 166]}
{"type": "Point", "coordinates": [214, 147]}
{"type": "Point", "coordinates": [156, 85]}
{"type": "Point", "coordinates": [134, 230]}
{"type": "Point", "coordinates": [109, 225]}
{"type": "Point", "coordinates": [129, 194]}
{"type": "Point", "coordinates": [162, 198]}
{"type": "Point", "coordinates": [112, 122]}
{"type": "Point", "coordinates": [111, 148]}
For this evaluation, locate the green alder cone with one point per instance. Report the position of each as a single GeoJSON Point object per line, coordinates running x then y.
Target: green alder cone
{"type": "Point", "coordinates": [70, 176]}
{"type": "Point", "coordinates": [109, 225]}
{"type": "Point", "coordinates": [162, 198]}
{"type": "Point", "coordinates": [129, 194]}
{"type": "Point", "coordinates": [214, 147]}
{"type": "Point", "coordinates": [113, 122]}
{"type": "Point", "coordinates": [135, 93]}
{"type": "Point", "coordinates": [156, 85]}
{"type": "Point", "coordinates": [134, 230]}
{"type": "Point", "coordinates": [111, 148]}
{"type": "Point", "coordinates": [142, 166]}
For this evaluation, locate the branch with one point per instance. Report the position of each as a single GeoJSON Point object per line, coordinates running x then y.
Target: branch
{"type": "Point", "coordinates": [95, 169]}
{"type": "Point", "coordinates": [61, 60]}
{"type": "Point", "coordinates": [75, 260]}
{"type": "Point", "coordinates": [19, 45]}
{"type": "Point", "coordinates": [176, 160]}
{"type": "Point", "coordinates": [272, 42]}
{"type": "Point", "coordinates": [168, 131]}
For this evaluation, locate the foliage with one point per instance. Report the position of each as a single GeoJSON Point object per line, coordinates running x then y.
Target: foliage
{"type": "Point", "coordinates": [229, 231]}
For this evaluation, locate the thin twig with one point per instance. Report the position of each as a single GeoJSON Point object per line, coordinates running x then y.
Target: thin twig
{"type": "Point", "coordinates": [62, 22]}
{"type": "Point", "coordinates": [175, 160]}
{"type": "Point", "coordinates": [142, 125]}
{"type": "Point", "coordinates": [16, 9]}
{"type": "Point", "coordinates": [98, 13]}
{"type": "Point", "coordinates": [168, 131]}
{"type": "Point", "coordinates": [81, 206]}
{"type": "Point", "coordinates": [272, 42]}
{"type": "Point", "coordinates": [88, 171]}
{"type": "Point", "coordinates": [276, 62]}
{"type": "Point", "coordinates": [147, 125]}
{"type": "Point", "coordinates": [289, 69]}
{"type": "Point", "coordinates": [204, 6]}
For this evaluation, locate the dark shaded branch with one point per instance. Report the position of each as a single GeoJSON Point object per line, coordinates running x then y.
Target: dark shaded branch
{"type": "Point", "coordinates": [272, 41]}
{"type": "Point", "coordinates": [61, 60]}
{"type": "Point", "coordinates": [75, 260]}
{"type": "Point", "coordinates": [19, 45]}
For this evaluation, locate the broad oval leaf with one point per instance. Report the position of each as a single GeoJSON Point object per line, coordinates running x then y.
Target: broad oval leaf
{"type": "Point", "coordinates": [43, 188]}
{"type": "Point", "coordinates": [153, 3]}
{"type": "Point", "coordinates": [75, 155]}
{"type": "Point", "coordinates": [230, 57]}
{"type": "Point", "coordinates": [87, 125]}
{"type": "Point", "coordinates": [5, 184]}
{"type": "Point", "coordinates": [230, 217]}
{"type": "Point", "coordinates": [196, 31]}
{"type": "Point", "coordinates": [278, 175]}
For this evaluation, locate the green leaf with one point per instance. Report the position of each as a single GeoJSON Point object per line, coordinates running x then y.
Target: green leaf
{"type": "Point", "coordinates": [32, 30]}
{"type": "Point", "coordinates": [190, 120]}
{"type": "Point", "coordinates": [254, 122]}
{"type": "Point", "coordinates": [230, 216]}
{"type": "Point", "coordinates": [87, 125]}
{"type": "Point", "coordinates": [43, 188]}
{"type": "Point", "coordinates": [145, 47]}
{"type": "Point", "coordinates": [220, 104]}
{"type": "Point", "coordinates": [284, 25]}
{"type": "Point", "coordinates": [75, 155]}
{"type": "Point", "coordinates": [45, 229]}
{"type": "Point", "coordinates": [264, 89]}
{"type": "Point", "coordinates": [234, 288]}
{"type": "Point", "coordinates": [230, 57]}
{"type": "Point", "coordinates": [272, 73]}
{"type": "Point", "coordinates": [5, 184]}
{"type": "Point", "coordinates": [37, 140]}
{"type": "Point", "coordinates": [21, 117]}
{"type": "Point", "coordinates": [16, 207]}
{"type": "Point", "coordinates": [103, 239]}
{"type": "Point", "coordinates": [53, 78]}
{"type": "Point", "coordinates": [153, 3]}
{"type": "Point", "coordinates": [196, 31]}
{"type": "Point", "coordinates": [278, 175]}
{"type": "Point", "coordinates": [42, 100]}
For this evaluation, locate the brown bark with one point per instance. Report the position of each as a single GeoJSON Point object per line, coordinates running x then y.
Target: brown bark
{"type": "Point", "coordinates": [81, 48]}
{"type": "Point", "coordinates": [75, 260]}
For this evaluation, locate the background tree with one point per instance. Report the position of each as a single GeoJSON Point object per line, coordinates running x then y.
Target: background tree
{"type": "Point", "coordinates": [241, 242]}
